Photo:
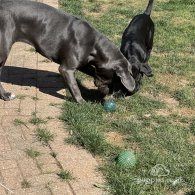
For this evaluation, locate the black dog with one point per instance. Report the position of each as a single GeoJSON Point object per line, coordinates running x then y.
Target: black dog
{"type": "Point", "coordinates": [137, 43]}
{"type": "Point", "coordinates": [64, 39]}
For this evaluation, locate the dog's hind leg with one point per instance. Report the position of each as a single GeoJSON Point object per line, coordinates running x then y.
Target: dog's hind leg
{"type": "Point", "coordinates": [4, 94]}
{"type": "Point", "coordinates": [5, 46]}
{"type": "Point", "coordinates": [6, 34]}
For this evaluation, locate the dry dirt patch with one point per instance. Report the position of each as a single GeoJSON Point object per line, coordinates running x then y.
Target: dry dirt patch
{"type": "Point", "coordinates": [162, 112]}
{"type": "Point", "coordinates": [171, 102]}
{"type": "Point", "coordinates": [115, 138]}
{"type": "Point", "coordinates": [174, 82]}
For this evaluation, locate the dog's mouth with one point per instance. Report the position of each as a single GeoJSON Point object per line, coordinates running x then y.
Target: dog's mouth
{"type": "Point", "coordinates": [138, 84]}
{"type": "Point", "coordinates": [117, 88]}
{"type": "Point", "coordinates": [119, 91]}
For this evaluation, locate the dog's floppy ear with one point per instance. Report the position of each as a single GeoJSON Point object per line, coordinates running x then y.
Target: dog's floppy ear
{"type": "Point", "coordinates": [126, 78]}
{"type": "Point", "coordinates": [145, 68]}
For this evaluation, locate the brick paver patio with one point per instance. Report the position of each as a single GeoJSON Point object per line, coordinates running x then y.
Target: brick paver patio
{"type": "Point", "coordinates": [39, 90]}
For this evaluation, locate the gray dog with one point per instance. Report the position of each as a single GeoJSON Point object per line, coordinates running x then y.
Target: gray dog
{"type": "Point", "coordinates": [66, 40]}
{"type": "Point", "coordinates": [137, 43]}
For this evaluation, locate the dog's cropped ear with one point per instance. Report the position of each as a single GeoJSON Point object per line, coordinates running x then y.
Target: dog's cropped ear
{"type": "Point", "coordinates": [145, 68]}
{"type": "Point", "coordinates": [126, 78]}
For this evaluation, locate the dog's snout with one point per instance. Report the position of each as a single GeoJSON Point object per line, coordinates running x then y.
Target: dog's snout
{"type": "Point", "coordinates": [149, 74]}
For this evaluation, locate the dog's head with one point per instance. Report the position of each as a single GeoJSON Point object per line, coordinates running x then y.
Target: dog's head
{"type": "Point", "coordinates": [118, 77]}
{"type": "Point", "coordinates": [138, 70]}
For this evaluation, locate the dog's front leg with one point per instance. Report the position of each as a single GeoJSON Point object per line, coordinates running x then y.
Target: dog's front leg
{"type": "Point", "coordinates": [69, 78]}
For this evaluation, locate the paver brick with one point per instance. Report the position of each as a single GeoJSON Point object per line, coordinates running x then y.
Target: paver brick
{"type": "Point", "coordinates": [61, 188]}
{"type": "Point", "coordinates": [38, 146]}
{"type": "Point", "coordinates": [1, 103]}
{"type": "Point", "coordinates": [12, 155]}
{"type": "Point", "coordinates": [30, 62]}
{"type": "Point", "coordinates": [17, 140]}
{"type": "Point", "coordinates": [4, 144]}
{"type": "Point", "coordinates": [7, 121]}
{"type": "Point", "coordinates": [7, 164]}
{"type": "Point", "coordinates": [25, 131]}
{"type": "Point", "coordinates": [46, 159]}
{"type": "Point", "coordinates": [28, 91]}
{"type": "Point", "coordinates": [18, 60]}
{"type": "Point", "coordinates": [49, 67]}
{"type": "Point", "coordinates": [12, 104]}
{"type": "Point", "coordinates": [12, 178]}
{"type": "Point", "coordinates": [2, 190]}
{"type": "Point", "coordinates": [50, 168]}
{"type": "Point", "coordinates": [43, 179]}
{"type": "Point", "coordinates": [8, 112]}
{"type": "Point", "coordinates": [27, 106]}
{"type": "Point", "coordinates": [89, 192]}
{"type": "Point", "coordinates": [28, 167]}
{"type": "Point", "coordinates": [39, 190]}
{"type": "Point", "coordinates": [46, 110]}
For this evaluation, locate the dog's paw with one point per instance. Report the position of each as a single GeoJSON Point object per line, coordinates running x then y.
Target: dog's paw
{"type": "Point", "coordinates": [8, 96]}
{"type": "Point", "coordinates": [80, 101]}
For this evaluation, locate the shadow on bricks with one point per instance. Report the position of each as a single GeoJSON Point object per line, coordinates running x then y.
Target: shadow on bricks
{"type": "Point", "coordinates": [46, 81]}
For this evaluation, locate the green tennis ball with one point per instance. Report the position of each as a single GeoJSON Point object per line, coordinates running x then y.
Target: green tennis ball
{"type": "Point", "coordinates": [109, 106]}
{"type": "Point", "coordinates": [126, 159]}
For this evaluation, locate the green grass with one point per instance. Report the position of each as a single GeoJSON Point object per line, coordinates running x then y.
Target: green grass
{"type": "Point", "coordinates": [21, 97]}
{"type": "Point", "coordinates": [25, 184]}
{"type": "Point", "coordinates": [36, 120]}
{"type": "Point", "coordinates": [44, 136]}
{"type": "Point", "coordinates": [185, 97]}
{"type": "Point", "coordinates": [19, 122]}
{"type": "Point", "coordinates": [32, 153]}
{"type": "Point", "coordinates": [35, 98]}
{"type": "Point", "coordinates": [32, 49]}
{"type": "Point", "coordinates": [85, 133]}
{"type": "Point", "coordinates": [75, 7]}
{"type": "Point", "coordinates": [65, 175]}
{"type": "Point", "coordinates": [46, 61]}
{"type": "Point", "coordinates": [155, 137]}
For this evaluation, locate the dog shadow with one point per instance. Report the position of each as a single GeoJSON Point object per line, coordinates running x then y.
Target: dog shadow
{"type": "Point", "coordinates": [46, 81]}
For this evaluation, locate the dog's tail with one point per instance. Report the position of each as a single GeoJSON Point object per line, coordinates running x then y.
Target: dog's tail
{"type": "Point", "coordinates": [149, 7]}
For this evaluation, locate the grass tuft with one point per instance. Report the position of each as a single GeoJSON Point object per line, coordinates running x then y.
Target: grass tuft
{"type": "Point", "coordinates": [185, 97]}
{"type": "Point", "coordinates": [44, 136]}
{"type": "Point", "coordinates": [25, 184]}
{"type": "Point", "coordinates": [32, 153]}
{"type": "Point", "coordinates": [65, 175]}
{"type": "Point", "coordinates": [19, 122]}
{"type": "Point", "coordinates": [36, 120]}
